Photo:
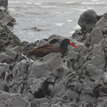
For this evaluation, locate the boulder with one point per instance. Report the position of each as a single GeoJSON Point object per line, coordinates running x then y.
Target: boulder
{"type": "Point", "coordinates": [87, 20]}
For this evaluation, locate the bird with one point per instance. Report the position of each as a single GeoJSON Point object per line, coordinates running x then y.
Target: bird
{"type": "Point", "coordinates": [47, 49]}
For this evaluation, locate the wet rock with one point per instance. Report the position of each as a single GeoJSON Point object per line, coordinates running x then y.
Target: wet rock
{"type": "Point", "coordinates": [34, 28]}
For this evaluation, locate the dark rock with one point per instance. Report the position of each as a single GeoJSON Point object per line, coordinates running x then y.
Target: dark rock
{"type": "Point", "coordinates": [7, 38]}
{"type": "Point", "coordinates": [34, 28]}
{"type": "Point", "coordinates": [4, 3]}
{"type": "Point", "coordinates": [5, 18]}
{"type": "Point", "coordinates": [88, 20]}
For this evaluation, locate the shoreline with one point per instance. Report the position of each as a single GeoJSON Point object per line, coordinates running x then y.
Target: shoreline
{"type": "Point", "coordinates": [79, 78]}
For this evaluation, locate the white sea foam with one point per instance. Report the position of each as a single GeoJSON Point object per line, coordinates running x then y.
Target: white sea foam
{"type": "Point", "coordinates": [69, 2]}
{"type": "Point", "coordinates": [76, 27]}
{"type": "Point", "coordinates": [13, 1]}
{"type": "Point", "coordinates": [23, 39]}
{"type": "Point", "coordinates": [31, 33]}
{"type": "Point", "coordinates": [93, 3]}
{"type": "Point", "coordinates": [48, 6]}
{"type": "Point", "coordinates": [37, 4]}
{"type": "Point", "coordinates": [95, 0]}
{"type": "Point", "coordinates": [57, 12]}
{"type": "Point", "coordinates": [71, 32]}
{"type": "Point", "coordinates": [59, 24]}
{"type": "Point", "coordinates": [79, 9]}
{"type": "Point", "coordinates": [11, 9]}
{"type": "Point", "coordinates": [69, 20]}
{"type": "Point", "coordinates": [28, 3]}
{"type": "Point", "coordinates": [67, 12]}
{"type": "Point", "coordinates": [21, 31]}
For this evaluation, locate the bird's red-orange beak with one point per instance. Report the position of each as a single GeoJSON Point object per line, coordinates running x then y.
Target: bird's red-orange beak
{"type": "Point", "coordinates": [72, 44]}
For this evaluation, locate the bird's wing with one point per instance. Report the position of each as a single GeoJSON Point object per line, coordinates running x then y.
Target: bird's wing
{"type": "Point", "coordinates": [43, 50]}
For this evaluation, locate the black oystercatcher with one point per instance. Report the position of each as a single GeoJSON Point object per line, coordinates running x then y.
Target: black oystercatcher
{"type": "Point", "coordinates": [46, 49]}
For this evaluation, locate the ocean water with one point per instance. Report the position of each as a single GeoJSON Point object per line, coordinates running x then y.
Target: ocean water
{"type": "Point", "coordinates": [38, 19]}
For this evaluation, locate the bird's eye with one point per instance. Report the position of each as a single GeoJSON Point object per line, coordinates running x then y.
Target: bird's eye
{"type": "Point", "coordinates": [68, 41]}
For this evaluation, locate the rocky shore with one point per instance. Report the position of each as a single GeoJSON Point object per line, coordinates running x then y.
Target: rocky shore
{"type": "Point", "coordinates": [79, 79]}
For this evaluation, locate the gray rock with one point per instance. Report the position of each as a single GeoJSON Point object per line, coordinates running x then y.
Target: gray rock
{"type": "Point", "coordinates": [12, 100]}
{"type": "Point", "coordinates": [94, 72]}
{"type": "Point", "coordinates": [105, 77]}
{"type": "Point", "coordinates": [101, 101]}
{"type": "Point", "coordinates": [79, 36]}
{"type": "Point", "coordinates": [5, 58]}
{"type": "Point", "coordinates": [2, 105]}
{"type": "Point", "coordinates": [5, 18]}
{"type": "Point", "coordinates": [99, 62]}
{"type": "Point", "coordinates": [46, 65]}
{"type": "Point", "coordinates": [55, 105]}
{"type": "Point", "coordinates": [36, 86]}
{"type": "Point", "coordinates": [4, 3]}
{"type": "Point", "coordinates": [88, 20]}
{"type": "Point", "coordinates": [45, 105]}
{"type": "Point", "coordinates": [38, 102]}
{"type": "Point", "coordinates": [102, 23]}
{"type": "Point", "coordinates": [96, 36]}
{"type": "Point", "coordinates": [2, 85]}
{"type": "Point", "coordinates": [58, 89]}
{"type": "Point", "coordinates": [74, 80]}
{"type": "Point", "coordinates": [28, 96]}
{"type": "Point", "coordinates": [80, 46]}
